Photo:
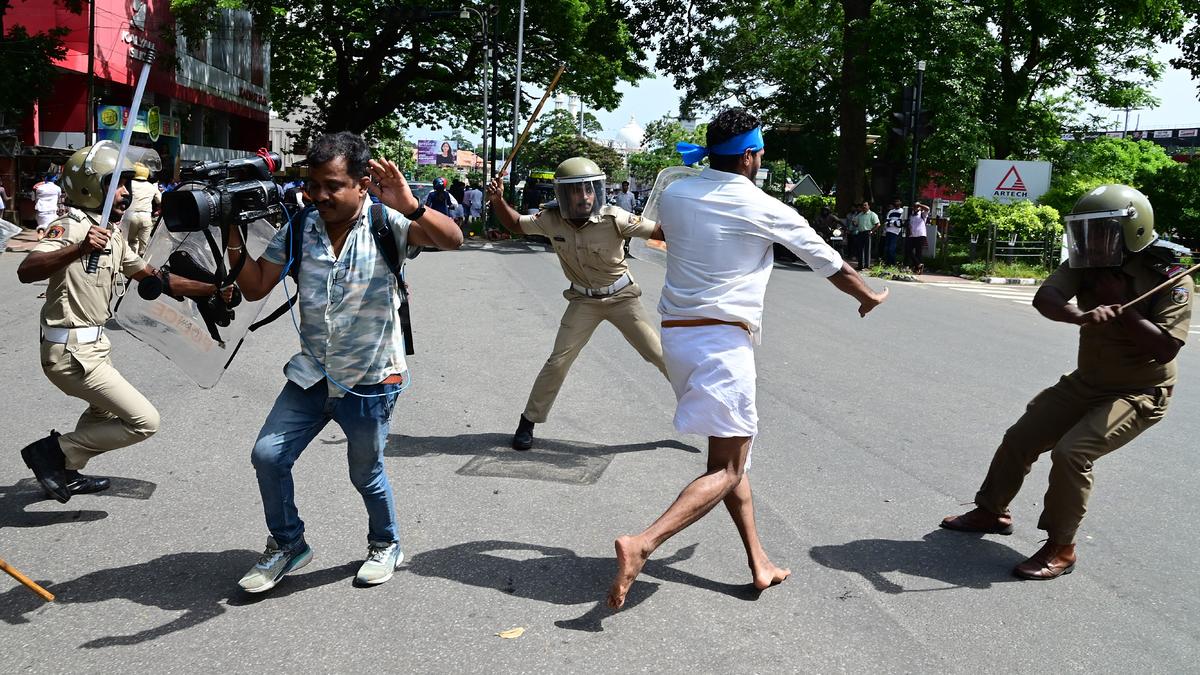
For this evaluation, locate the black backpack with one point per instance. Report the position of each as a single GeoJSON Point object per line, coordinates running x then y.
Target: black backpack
{"type": "Point", "coordinates": [381, 230]}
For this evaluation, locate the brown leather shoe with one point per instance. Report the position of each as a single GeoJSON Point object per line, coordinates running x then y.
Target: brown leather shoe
{"type": "Point", "coordinates": [1050, 562]}
{"type": "Point", "coordinates": [979, 520]}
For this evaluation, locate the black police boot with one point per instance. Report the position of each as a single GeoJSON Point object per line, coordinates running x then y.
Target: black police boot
{"type": "Point", "coordinates": [523, 439]}
{"type": "Point", "coordinates": [79, 484]}
{"type": "Point", "coordinates": [45, 458]}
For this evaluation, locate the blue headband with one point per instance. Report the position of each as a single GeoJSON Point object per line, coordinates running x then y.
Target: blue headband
{"type": "Point", "coordinates": [750, 140]}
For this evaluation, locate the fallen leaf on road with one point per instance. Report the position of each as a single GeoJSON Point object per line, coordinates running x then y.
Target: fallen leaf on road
{"type": "Point", "coordinates": [512, 633]}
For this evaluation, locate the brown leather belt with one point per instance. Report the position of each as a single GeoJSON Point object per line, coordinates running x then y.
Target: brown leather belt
{"type": "Point", "coordinates": [683, 323]}
{"type": "Point", "coordinates": [398, 378]}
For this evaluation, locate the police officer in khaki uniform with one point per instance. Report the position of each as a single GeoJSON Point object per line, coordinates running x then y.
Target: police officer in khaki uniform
{"type": "Point", "coordinates": [146, 200]}
{"type": "Point", "coordinates": [1124, 379]}
{"type": "Point", "coordinates": [75, 350]}
{"type": "Point", "coordinates": [589, 238]}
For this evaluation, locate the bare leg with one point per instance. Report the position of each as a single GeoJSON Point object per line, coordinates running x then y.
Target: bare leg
{"type": "Point", "coordinates": [740, 503]}
{"type": "Point", "coordinates": [726, 465]}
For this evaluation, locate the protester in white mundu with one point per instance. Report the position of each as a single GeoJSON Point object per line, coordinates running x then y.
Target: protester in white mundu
{"type": "Point", "coordinates": [720, 229]}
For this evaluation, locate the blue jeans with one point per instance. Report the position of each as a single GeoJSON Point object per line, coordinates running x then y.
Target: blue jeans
{"type": "Point", "coordinates": [890, 241]}
{"type": "Point", "coordinates": [296, 418]}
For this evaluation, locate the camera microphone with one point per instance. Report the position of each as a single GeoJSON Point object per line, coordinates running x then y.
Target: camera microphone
{"type": "Point", "coordinates": [150, 287]}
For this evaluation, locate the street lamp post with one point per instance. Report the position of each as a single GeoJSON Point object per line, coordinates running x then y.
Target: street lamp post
{"type": "Point", "coordinates": [465, 13]}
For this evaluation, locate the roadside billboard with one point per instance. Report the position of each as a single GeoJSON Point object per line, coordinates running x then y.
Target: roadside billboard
{"type": "Point", "coordinates": [440, 152]}
{"type": "Point", "coordinates": [1008, 181]}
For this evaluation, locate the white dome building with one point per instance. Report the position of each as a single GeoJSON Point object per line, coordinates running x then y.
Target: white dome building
{"type": "Point", "coordinates": [630, 136]}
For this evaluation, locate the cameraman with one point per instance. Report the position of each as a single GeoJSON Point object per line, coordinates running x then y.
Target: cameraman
{"type": "Point", "coordinates": [75, 351]}
{"type": "Point", "coordinates": [350, 339]}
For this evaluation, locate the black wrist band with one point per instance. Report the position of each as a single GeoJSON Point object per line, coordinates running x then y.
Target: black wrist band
{"type": "Point", "coordinates": [416, 214]}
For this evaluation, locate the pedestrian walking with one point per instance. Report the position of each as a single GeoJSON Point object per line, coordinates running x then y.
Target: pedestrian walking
{"type": "Point", "coordinates": [625, 199]}
{"type": "Point", "coordinates": [1121, 386]}
{"type": "Point", "coordinates": [351, 365]}
{"type": "Point", "coordinates": [720, 229]}
{"type": "Point", "coordinates": [8, 230]}
{"type": "Point", "coordinates": [589, 239]}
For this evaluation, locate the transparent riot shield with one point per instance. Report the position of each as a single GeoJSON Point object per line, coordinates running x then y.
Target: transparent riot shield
{"type": "Point", "coordinates": [198, 340]}
{"type": "Point", "coordinates": [651, 250]}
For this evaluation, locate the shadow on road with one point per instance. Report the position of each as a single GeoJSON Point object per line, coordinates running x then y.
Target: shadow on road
{"type": "Point", "coordinates": [503, 247]}
{"type": "Point", "coordinates": [552, 460]}
{"type": "Point", "coordinates": [558, 576]}
{"type": "Point", "coordinates": [400, 445]}
{"type": "Point", "coordinates": [198, 584]}
{"type": "Point", "coordinates": [16, 499]}
{"type": "Point", "coordinates": [960, 559]}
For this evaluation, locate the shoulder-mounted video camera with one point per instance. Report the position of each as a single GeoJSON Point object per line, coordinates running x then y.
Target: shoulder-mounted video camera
{"type": "Point", "coordinates": [233, 192]}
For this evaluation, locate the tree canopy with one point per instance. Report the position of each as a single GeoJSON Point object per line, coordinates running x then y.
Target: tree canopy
{"type": "Point", "coordinates": [361, 61]}
{"type": "Point", "coordinates": [1003, 77]}
{"type": "Point", "coordinates": [659, 142]}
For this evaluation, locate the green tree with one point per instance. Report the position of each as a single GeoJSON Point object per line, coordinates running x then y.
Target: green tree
{"type": "Point", "coordinates": [1081, 166]}
{"type": "Point", "coordinates": [551, 152]}
{"type": "Point", "coordinates": [1174, 191]}
{"type": "Point", "coordinates": [1003, 76]}
{"type": "Point", "coordinates": [387, 139]}
{"type": "Point", "coordinates": [363, 60]}
{"type": "Point", "coordinates": [427, 172]}
{"type": "Point", "coordinates": [27, 62]}
{"type": "Point", "coordinates": [659, 143]}
{"type": "Point", "coordinates": [561, 122]}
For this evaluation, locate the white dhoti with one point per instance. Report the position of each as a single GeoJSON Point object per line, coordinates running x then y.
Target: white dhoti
{"type": "Point", "coordinates": [712, 371]}
{"type": "Point", "coordinates": [44, 218]}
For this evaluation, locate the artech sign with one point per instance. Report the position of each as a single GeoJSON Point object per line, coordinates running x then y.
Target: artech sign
{"type": "Point", "coordinates": [1008, 181]}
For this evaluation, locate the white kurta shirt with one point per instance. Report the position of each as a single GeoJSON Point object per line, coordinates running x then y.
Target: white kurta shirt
{"type": "Point", "coordinates": [720, 229]}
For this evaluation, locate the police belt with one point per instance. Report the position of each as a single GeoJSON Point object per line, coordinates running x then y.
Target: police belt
{"type": "Point", "coordinates": [607, 290]}
{"type": "Point", "coordinates": [61, 336]}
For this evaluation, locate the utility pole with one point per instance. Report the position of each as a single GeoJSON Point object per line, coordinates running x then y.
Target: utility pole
{"type": "Point", "coordinates": [90, 113]}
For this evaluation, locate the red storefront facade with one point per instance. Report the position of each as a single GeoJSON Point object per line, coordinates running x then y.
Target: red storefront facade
{"type": "Point", "coordinates": [211, 97]}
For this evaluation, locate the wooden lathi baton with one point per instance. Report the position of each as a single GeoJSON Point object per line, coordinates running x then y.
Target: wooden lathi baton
{"type": "Point", "coordinates": [26, 581]}
{"type": "Point", "coordinates": [529, 125]}
{"type": "Point", "coordinates": [1161, 286]}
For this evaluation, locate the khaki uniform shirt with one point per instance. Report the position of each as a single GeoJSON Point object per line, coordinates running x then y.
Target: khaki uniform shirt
{"type": "Point", "coordinates": [146, 196]}
{"type": "Point", "coordinates": [592, 256]}
{"type": "Point", "coordinates": [74, 298]}
{"type": "Point", "coordinates": [1108, 357]}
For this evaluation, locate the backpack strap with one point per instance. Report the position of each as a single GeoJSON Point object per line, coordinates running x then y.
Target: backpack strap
{"type": "Point", "coordinates": [295, 248]}
{"type": "Point", "coordinates": [381, 230]}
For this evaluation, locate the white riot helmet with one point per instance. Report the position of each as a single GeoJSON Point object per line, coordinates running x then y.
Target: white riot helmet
{"type": "Point", "coordinates": [579, 188]}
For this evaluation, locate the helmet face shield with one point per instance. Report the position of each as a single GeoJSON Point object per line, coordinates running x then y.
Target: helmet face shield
{"type": "Point", "coordinates": [1096, 239]}
{"type": "Point", "coordinates": [579, 198]}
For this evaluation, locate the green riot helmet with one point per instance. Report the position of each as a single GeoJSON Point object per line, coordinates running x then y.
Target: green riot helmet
{"type": "Point", "coordinates": [1106, 223]}
{"type": "Point", "coordinates": [87, 172]}
{"type": "Point", "coordinates": [579, 187]}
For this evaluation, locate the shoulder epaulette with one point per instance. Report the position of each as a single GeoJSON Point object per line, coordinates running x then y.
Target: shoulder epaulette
{"type": "Point", "coordinates": [1164, 257]}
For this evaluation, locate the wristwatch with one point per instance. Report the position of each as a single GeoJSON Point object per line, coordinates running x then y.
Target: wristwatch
{"type": "Point", "coordinates": [416, 214]}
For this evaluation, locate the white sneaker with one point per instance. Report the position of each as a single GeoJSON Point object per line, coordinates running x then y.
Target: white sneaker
{"type": "Point", "coordinates": [382, 561]}
{"type": "Point", "coordinates": [274, 564]}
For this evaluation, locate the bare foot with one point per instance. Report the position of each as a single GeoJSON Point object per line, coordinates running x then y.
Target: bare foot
{"type": "Point", "coordinates": [630, 560]}
{"type": "Point", "coordinates": [769, 575]}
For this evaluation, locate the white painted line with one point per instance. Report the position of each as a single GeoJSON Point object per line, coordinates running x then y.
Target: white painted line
{"type": "Point", "coordinates": [1014, 298]}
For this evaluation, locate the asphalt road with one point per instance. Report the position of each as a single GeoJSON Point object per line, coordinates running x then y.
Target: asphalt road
{"type": "Point", "coordinates": [872, 431]}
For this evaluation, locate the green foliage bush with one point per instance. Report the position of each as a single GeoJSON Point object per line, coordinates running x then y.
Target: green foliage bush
{"type": "Point", "coordinates": [1081, 166]}
{"type": "Point", "coordinates": [809, 206]}
{"type": "Point", "coordinates": [1026, 220]}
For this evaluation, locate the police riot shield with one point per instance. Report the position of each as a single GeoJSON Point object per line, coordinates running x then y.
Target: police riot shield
{"type": "Point", "coordinates": [199, 335]}
{"type": "Point", "coordinates": [650, 250]}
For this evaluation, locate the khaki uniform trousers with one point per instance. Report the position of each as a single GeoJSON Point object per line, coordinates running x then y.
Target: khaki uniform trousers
{"type": "Point", "coordinates": [583, 315]}
{"type": "Point", "coordinates": [138, 226]}
{"type": "Point", "coordinates": [118, 415]}
{"type": "Point", "coordinates": [1078, 424]}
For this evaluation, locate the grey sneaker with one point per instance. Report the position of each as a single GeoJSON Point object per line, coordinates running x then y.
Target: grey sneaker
{"type": "Point", "coordinates": [273, 564]}
{"type": "Point", "coordinates": [382, 561]}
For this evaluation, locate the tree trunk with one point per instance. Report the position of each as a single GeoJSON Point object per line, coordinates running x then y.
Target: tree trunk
{"type": "Point", "coordinates": [852, 110]}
